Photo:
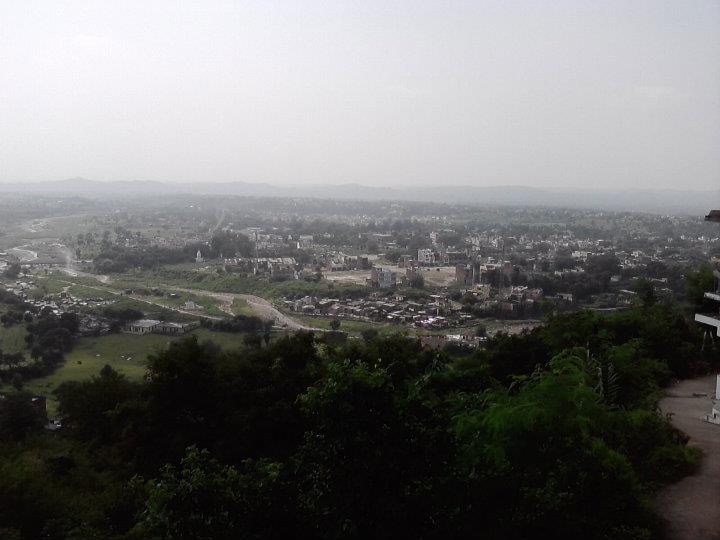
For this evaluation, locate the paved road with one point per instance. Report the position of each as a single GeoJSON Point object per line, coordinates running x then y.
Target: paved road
{"type": "Point", "coordinates": [692, 506]}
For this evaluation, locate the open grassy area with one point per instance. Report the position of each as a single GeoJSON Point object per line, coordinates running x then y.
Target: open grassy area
{"type": "Point", "coordinates": [84, 291]}
{"type": "Point", "coordinates": [210, 305]}
{"type": "Point", "coordinates": [205, 278]}
{"type": "Point", "coordinates": [12, 339]}
{"type": "Point", "coordinates": [241, 307]}
{"type": "Point", "coordinates": [125, 353]}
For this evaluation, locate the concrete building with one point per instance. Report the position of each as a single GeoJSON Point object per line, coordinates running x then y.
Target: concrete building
{"type": "Point", "coordinates": [142, 326]}
{"type": "Point", "coordinates": [382, 278]}
{"type": "Point", "coordinates": [712, 320]}
{"type": "Point", "coordinates": [465, 274]}
{"type": "Point", "coordinates": [712, 326]}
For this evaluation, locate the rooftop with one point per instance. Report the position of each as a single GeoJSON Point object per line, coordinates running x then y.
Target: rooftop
{"type": "Point", "coordinates": [145, 323]}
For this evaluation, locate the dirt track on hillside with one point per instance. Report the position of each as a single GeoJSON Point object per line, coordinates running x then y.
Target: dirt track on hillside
{"type": "Point", "coordinates": [692, 506]}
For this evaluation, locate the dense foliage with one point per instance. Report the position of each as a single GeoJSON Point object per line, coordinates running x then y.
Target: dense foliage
{"type": "Point", "coordinates": [48, 337]}
{"type": "Point", "coordinates": [550, 434]}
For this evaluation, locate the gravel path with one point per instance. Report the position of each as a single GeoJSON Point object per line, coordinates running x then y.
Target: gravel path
{"type": "Point", "coordinates": [692, 506]}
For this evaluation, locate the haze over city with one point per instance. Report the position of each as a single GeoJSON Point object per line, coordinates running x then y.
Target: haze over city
{"type": "Point", "coordinates": [544, 94]}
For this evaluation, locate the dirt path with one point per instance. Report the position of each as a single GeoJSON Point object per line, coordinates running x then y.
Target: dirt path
{"type": "Point", "coordinates": [692, 506]}
{"type": "Point", "coordinates": [263, 308]}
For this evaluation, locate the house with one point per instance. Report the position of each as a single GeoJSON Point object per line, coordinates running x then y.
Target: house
{"type": "Point", "coordinates": [430, 257]}
{"type": "Point", "coordinates": [464, 274]}
{"type": "Point", "coordinates": [141, 326]}
{"type": "Point", "coordinates": [174, 329]}
{"type": "Point", "coordinates": [382, 278]}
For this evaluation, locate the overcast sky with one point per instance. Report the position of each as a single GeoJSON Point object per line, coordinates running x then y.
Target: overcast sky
{"type": "Point", "coordinates": [539, 93]}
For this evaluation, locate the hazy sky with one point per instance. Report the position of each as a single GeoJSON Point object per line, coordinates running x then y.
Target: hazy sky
{"type": "Point", "coordinates": [540, 93]}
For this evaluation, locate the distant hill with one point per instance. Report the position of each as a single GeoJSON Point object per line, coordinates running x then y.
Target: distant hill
{"type": "Point", "coordinates": [654, 201]}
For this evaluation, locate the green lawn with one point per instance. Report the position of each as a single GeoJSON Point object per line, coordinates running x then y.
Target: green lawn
{"type": "Point", "coordinates": [83, 291]}
{"type": "Point", "coordinates": [12, 339]}
{"type": "Point", "coordinates": [241, 307]}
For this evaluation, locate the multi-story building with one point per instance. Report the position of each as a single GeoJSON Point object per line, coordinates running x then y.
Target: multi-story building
{"type": "Point", "coordinates": [712, 323]}
{"type": "Point", "coordinates": [712, 319]}
{"type": "Point", "coordinates": [382, 278]}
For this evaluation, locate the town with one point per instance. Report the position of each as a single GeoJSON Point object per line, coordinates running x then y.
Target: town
{"type": "Point", "coordinates": [463, 272]}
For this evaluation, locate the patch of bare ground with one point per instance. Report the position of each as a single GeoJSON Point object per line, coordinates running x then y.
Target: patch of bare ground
{"type": "Point", "coordinates": [691, 507]}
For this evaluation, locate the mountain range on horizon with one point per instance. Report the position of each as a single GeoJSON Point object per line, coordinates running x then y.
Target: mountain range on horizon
{"type": "Point", "coordinates": [662, 201]}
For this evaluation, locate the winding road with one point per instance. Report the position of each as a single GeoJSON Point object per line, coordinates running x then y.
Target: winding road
{"type": "Point", "coordinates": [691, 507]}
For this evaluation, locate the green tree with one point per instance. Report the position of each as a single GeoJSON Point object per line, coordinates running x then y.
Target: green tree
{"type": "Point", "coordinates": [20, 416]}
{"type": "Point", "coordinates": [417, 281]}
{"type": "Point", "coordinates": [12, 271]}
{"type": "Point", "coordinates": [697, 283]}
{"type": "Point", "coordinates": [645, 291]}
{"type": "Point", "coordinates": [204, 499]}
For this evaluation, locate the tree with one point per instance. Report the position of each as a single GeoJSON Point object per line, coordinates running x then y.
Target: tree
{"type": "Point", "coordinates": [417, 281]}
{"type": "Point", "coordinates": [369, 334]}
{"type": "Point", "coordinates": [535, 469]}
{"type": "Point", "coordinates": [252, 340]}
{"type": "Point", "coordinates": [367, 462]}
{"type": "Point", "coordinates": [204, 499]}
{"type": "Point", "coordinates": [88, 407]}
{"type": "Point", "coordinates": [228, 243]}
{"type": "Point", "coordinates": [19, 416]}
{"type": "Point", "coordinates": [17, 381]}
{"type": "Point", "coordinates": [335, 324]}
{"type": "Point", "coordinates": [697, 283]}
{"type": "Point", "coordinates": [12, 271]}
{"type": "Point", "coordinates": [645, 291]}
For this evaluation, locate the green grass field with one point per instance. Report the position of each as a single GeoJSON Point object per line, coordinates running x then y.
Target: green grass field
{"type": "Point", "coordinates": [12, 339]}
{"type": "Point", "coordinates": [241, 307]}
{"type": "Point", "coordinates": [125, 353]}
